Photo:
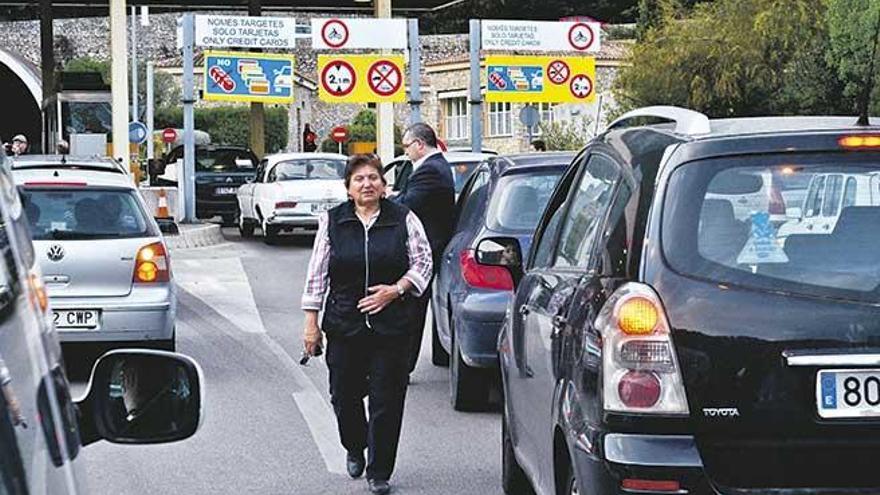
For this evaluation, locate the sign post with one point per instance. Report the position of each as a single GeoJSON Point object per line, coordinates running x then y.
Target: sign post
{"type": "Point", "coordinates": [415, 69]}
{"type": "Point", "coordinates": [476, 95]}
{"type": "Point", "coordinates": [186, 185]}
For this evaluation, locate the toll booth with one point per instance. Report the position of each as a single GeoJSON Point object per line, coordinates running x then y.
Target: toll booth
{"type": "Point", "coordinates": [80, 113]}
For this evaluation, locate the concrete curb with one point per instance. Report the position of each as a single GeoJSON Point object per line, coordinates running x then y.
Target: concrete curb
{"type": "Point", "coordinates": [192, 236]}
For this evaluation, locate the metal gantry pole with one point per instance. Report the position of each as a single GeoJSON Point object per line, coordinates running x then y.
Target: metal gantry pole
{"type": "Point", "coordinates": [415, 70]}
{"type": "Point", "coordinates": [150, 105]}
{"type": "Point", "coordinates": [134, 64]}
{"type": "Point", "coordinates": [186, 189]}
{"type": "Point", "coordinates": [476, 95]}
{"type": "Point", "coordinates": [119, 83]}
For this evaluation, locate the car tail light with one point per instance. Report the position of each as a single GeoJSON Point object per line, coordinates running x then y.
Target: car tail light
{"type": "Point", "coordinates": [641, 372]}
{"type": "Point", "coordinates": [660, 486]}
{"type": "Point", "coordinates": [152, 264]}
{"type": "Point", "coordinates": [483, 276]}
{"type": "Point", "coordinates": [863, 141]}
{"type": "Point", "coordinates": [285, 205]}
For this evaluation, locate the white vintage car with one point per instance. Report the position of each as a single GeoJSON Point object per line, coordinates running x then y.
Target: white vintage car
{"type": "Point", "coordinates": [290, 191]}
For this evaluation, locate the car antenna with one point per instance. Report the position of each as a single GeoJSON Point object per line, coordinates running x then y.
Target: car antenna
{"type": "Point", "coordinates": [864, 101]}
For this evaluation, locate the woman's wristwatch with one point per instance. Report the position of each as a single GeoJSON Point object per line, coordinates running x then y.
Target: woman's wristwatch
{"type": "Point", "coordinates": [400, 290]}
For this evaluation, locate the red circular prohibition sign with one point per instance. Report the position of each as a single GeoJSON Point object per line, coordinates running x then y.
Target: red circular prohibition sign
{"type": "Point", "coordinates": [384, 83]}
{"type": "Point", "coordinates": [578, 43]}
{"type": "Point", "coordinates": [558, 72]}
{"type": "Point", "coordinates": [339, 90]}
{"type": "Point", "coordinates": [336, 38]}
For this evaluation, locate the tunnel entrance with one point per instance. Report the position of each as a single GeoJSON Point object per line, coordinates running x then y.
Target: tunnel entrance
{"type": "Point", "coordinates": [21, 113]}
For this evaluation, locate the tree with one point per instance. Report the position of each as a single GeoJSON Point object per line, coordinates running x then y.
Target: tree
{"type": "Point", "coordinates": [727, 58]}
{"type": "Point", "coordinates": [569, 135]}
{"type": "Point", "coordinates": [854, 28]}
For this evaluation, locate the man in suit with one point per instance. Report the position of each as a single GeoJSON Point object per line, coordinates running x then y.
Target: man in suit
{"type": "Point", "coordinates": [429, 193]}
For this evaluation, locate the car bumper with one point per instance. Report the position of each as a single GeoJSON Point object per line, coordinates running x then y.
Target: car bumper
{"type": "Point", "coordinates": [146, 314]}
{"type": "Point", "coordinates": [216, 206]}
{"type": "Point", "coordinates": [640, 457]}
{"type": "Point", "coordinates": [478, 320]}
{"type": "Point", "coordinates": [306, 221]}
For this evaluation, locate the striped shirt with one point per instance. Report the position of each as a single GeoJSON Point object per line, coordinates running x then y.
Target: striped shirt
{"type": "Point", "coordinates": [418, 250]}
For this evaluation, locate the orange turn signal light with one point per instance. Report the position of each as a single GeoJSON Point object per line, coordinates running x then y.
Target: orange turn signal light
{"type": "Point", "coordinates": [638, 316]}
{"type": "Point", "coordinates": [860, 141]}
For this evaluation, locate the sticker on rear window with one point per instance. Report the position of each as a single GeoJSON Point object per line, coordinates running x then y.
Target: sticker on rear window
{"type": "Point", "coordinates": [762, 246]}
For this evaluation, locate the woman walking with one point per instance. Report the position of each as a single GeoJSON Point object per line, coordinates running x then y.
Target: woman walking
{"type": "Point", "coordinates": [370, 262]}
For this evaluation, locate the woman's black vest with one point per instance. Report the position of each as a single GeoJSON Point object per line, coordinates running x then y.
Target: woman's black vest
{"type": "Point", "coordinates": [361, 259]}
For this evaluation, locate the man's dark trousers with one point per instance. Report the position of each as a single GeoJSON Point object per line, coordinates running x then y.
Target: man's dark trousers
{"type": "Point", "coordinates": [384, 359]}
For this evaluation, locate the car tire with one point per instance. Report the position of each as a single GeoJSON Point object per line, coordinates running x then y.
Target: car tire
{"type": "Point", "coordinates": [270, 233]}
{"type": "Point", "coordinates": [245, 227]}
{"type": "Point", "coordinates": [439, 356]}
{"type": "Point", "coordinates": [513, 478]}
{"type": "Point", "coordinates": [228, 220]}
{"type": "Point", "coordinates": [468, 387]}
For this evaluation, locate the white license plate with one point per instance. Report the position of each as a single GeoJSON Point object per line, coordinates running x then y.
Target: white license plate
{"type": "Point", "coordinates": [226, 190]}
{"type": "Point", "coordinates": [321, 207]}
{"type": "Point", "coordinates": [848, 393]}
{"type": "Point", "coordinates": [75, 318]}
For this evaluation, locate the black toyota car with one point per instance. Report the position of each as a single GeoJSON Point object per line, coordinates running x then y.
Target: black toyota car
{"type": "Point", "coordinates": [662, 340]}
{"type": "Point", "coordinates": [220, 171]}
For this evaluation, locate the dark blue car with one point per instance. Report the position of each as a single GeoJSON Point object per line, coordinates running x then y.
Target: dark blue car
{"type": "Point", "coordinates": [504, 196]}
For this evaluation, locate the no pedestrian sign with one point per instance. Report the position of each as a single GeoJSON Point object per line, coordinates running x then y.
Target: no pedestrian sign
{"type": "Point", "coordinates": [541, 36]}
{"type": "Point", "coordinates": [361, 78]}
{"type": "Point", "coordinates": [526, 79]}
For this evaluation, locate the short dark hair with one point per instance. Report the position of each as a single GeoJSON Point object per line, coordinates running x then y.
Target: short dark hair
{"type": "Point", "coordinates": [357, 161]}
{"type": "Point", "coordinates": [539, 145]}
{"type": "Point", "coordinates": [424, 133]}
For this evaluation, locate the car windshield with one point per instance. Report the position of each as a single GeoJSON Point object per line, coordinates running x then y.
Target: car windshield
{"type": "Point", "coordinates": [809, 228]}
{"type": "Point", "coordinates": [223, 160]}
{"type": "Point", "coordinates": [309, 169]}
{"type": "Point", "coordinates": [84, 213]}
{"type": "Point", "coordinates": [519, 199]}
{"type": "Point", "coordinates": [461, 171]}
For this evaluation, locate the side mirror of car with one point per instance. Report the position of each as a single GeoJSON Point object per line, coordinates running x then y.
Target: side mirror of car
{"type": "Point", "coordinates": [167, 225]}
{"type": "Point", "coordinates": [793, 212]}
{"type": "Point", "coordinates": [504, 252]}
{"type": "Point", "coordinates": [142, 396]}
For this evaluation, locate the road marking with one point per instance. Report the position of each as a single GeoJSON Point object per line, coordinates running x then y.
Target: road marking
{"type": "Point", "coordinates": [222, 284]}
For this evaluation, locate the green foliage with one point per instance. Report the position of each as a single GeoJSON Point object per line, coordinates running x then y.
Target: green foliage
{"type": "Point", "coordinates": [853, 29]}
{"type": "Point", "coordinates": [733, 58]}
{"type": "Point", "coordinates": [362, 128]}
{"type": "Point", "coordinates": [559, 136]}
{"type": "Point", "coordinates": [230, 125]}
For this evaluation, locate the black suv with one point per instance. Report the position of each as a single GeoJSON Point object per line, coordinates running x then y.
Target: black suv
{"type": "Point", "coordinates": [220, 170]}
{"type": "Point", "coordinates": [667, 336]}
{"type": "Point", "coordinates": [133, 396]}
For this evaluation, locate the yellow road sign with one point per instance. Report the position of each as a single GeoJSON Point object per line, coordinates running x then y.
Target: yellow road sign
{"type": "Point", "coordinates": [361, 78]}
{"type": "Point", "coordinates": [521, 79]}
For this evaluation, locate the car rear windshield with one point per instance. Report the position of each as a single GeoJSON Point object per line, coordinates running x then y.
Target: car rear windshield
{"type": "Point", "coordinates": [310, 169]}
{"type": "Point", "coordinates": [224, 160]}
{"type": "Point", "coordinates": [519, 199]}
{"type": "Point", "coordinates": [84, 213]}
{"type": "Point", "coordinates": [461, 172]}
{"type": "Point", "coordinates": [803, 224]}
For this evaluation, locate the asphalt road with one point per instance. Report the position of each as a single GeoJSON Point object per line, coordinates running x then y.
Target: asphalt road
{"type": "Point", "coordinates": [268, 427]}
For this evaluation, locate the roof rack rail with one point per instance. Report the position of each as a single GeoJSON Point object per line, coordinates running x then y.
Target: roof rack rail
{"type": "Point", "coordinates": [687, 122]}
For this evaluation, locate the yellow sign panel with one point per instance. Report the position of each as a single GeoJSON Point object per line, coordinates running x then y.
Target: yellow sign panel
{"type": "Point", "coordinates": [244, 76]}
{"type": "Point", "coordinates": [520, 79]}
{"type": "Point", "coordinates": [361, 78]}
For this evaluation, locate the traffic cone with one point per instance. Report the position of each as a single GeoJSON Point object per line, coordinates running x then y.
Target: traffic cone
{"type": "Point", "coordinates": [162, 208]}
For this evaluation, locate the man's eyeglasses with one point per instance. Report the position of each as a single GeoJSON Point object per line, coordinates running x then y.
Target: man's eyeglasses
{"type": "Point", "coordinates": [407, 145]}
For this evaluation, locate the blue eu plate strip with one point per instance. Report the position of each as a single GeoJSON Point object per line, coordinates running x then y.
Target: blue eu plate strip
{"type": "Point", "coordinates": [829, 391]}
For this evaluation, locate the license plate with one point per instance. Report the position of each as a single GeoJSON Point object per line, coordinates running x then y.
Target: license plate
{"type": "Point", "coordinates": [848, 393]}
{"type": "Point", "coordinates": [226, 190]}
{"type": "Point", "coordinates": [75, 318]}
{"type": "Point", "coordinates": [321, 207]}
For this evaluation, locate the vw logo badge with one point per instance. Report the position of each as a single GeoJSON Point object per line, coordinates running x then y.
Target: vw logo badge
{"type": "Point", "coordinates": [229, 180]}
{"type": "Point", "coordinates": [55, 253]}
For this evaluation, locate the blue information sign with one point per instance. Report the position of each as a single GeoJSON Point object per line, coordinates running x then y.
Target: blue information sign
{"type": "Point", "coordinates": [137, 132]}
{"type": "Point", "coordinates": [518, 79]}
{"type": "Point", "coordinates": [241, 76]}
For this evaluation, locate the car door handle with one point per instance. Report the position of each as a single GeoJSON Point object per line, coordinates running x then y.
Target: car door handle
{"type": "Point", "coordinates": [524, 310]}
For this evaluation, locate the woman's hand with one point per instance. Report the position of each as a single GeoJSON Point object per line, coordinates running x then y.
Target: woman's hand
{"type": "Point", "coordinates": [311, 333]}
{"type": "Point", "coordinates": [380, 296]}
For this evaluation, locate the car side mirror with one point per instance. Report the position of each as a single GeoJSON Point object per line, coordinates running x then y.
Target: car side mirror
{"type": "Point", "coordinates": [504, 252]}
{"type": "Point", "coordinates": [167, 225]}
{"type": "Point", "coordinates": [142, 396]}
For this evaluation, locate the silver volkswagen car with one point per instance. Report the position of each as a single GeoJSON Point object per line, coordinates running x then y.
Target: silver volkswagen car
{"type": "Point", "coordinates": [103, 258]}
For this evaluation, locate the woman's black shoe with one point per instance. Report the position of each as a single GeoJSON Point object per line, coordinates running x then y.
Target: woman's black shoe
{"type": "Point", "coordinates": [354, 462]}
{"type": "Point", "coordinates": [379, 487]}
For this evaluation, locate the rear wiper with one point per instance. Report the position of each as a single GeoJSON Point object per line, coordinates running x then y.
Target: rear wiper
{"type": "Point", "coordinates": [72, 234]}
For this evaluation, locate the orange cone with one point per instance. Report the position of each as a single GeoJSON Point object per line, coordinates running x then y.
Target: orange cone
{"type": "Point", "coordinates": [162, 208]}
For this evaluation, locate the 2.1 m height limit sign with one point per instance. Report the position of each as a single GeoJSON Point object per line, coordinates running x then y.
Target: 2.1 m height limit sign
{"type": "Point", "coordinates": [361, 78]}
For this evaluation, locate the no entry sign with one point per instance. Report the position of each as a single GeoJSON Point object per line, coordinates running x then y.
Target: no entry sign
{"type": "Point", "coordinates": [361, 78]}
{"type": "Point", "coordinates": [339, 134]}
{"type": "Point", "coordinates": [169, 135]}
